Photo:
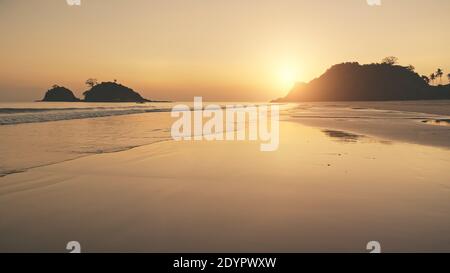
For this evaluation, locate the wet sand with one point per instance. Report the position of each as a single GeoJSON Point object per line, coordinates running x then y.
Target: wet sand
{"type": "Point", "coordinates": [321, 191]}
{"type": "Point", "coordinates": [416, 122]}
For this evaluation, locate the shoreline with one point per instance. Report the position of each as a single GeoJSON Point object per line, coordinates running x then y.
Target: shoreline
{"type": "Point", "coordinates": [313, 194]}
{"type": "Point", "coordinates": [357, 118]}
{"type": "Point", "coordinates": [413, 133]}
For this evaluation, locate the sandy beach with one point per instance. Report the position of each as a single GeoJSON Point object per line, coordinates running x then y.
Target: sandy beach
{"type": "Point", "coordinates": [331, 186]}
{"type": "Point", "coordinates": [225, 135]}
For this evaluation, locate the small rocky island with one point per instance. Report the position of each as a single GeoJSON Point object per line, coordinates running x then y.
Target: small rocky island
{"type": "Point", "coordinates": [59, 93]}
{"type": "Point", "coordinates": [98, 92]}
{"type": "Point", "coordinates": [112, 92]}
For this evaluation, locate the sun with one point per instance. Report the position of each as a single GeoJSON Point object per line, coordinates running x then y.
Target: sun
{"type": "Point", "coordinates": [287, 77]}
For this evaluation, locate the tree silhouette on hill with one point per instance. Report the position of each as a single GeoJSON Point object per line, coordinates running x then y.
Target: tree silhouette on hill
{"type": "Point", "coordinates": [378, 81]}
{"type": "Point", "coordinates": [439, 73]}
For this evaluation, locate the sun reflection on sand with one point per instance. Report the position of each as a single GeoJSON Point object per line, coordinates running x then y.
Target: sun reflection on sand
{"type": "Point", "coordinates": [312, 194]}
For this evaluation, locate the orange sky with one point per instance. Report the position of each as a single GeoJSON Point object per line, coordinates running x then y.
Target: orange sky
{"type": "Point", "coordinates": [221, 50]}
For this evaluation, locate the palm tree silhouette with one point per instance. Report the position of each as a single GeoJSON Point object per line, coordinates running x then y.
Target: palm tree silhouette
{"type": "Point", "coordinates": [439, 74]}
{"type": "Point", "coordinates": [432, 78]}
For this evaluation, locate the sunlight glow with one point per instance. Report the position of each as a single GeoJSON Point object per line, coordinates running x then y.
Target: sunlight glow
{"type": "Point", "coordinates": [287, 77]}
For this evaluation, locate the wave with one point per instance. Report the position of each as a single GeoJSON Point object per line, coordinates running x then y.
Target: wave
{"type": "Point", "coordinates": [12, 116]}
{"type": "Point", "coordinates": [10, 110]}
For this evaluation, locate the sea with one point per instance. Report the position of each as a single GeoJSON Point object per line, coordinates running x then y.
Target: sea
{"type": "Point", "coordinates": [34, 134]}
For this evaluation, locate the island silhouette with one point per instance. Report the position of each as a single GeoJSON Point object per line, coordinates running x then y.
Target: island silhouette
{"type": "Point", "coordinates": [98, 92]}
{"type": "Point", "coordinates": [59, 93]}
{"type": "Point", "coordinates": [384, 81]}
{"type": "Point", "coordinates": [348, 81]}
{"type": "Point", "coordinates": [112, 92]}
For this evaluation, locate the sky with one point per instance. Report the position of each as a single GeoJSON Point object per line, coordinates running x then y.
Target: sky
{"type": "Point", "coordinates": [241, 50]}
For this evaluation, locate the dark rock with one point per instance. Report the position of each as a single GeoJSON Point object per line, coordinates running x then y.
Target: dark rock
{"type": "Point", "coordinates": [59, 93]}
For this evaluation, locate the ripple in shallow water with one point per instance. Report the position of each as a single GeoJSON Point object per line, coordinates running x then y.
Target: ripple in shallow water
{"type": "Point", "coordinates": [342, 136]}
{"type": "Point", "coordinates": [439, 122]}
